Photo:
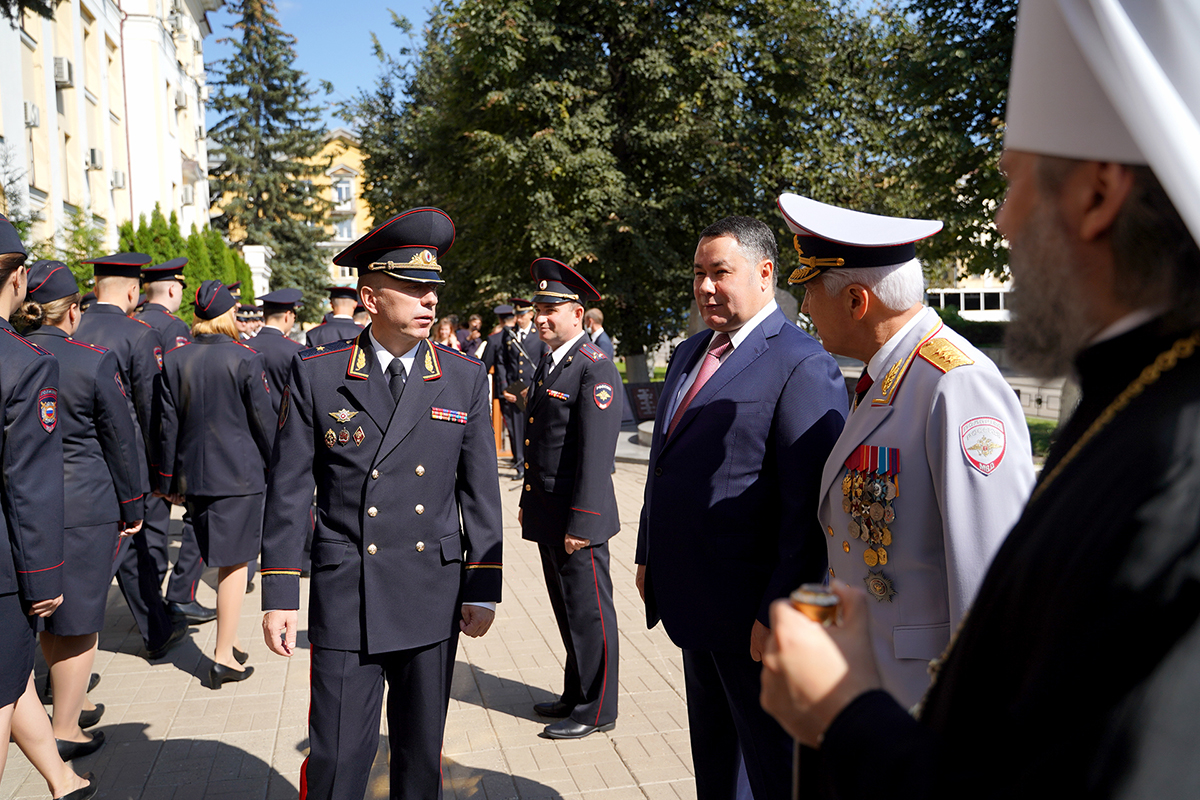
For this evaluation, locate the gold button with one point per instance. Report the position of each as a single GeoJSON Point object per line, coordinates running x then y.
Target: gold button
{"type": "Point", "coordinates": [420, 547]}
{"type": "Point", "coordinates": [526, 465]}
{"type": "Point", "coordinates": [420, 509]}
{"type": "Point", "coordinates": [831, 572]}
{"type": "Point", "coordinates": [374, 474]}
{"type": "Point", "coordinates": [845, 547]}
{"type": "Point", "coordinates": [371, 549]}
{"type": "Point", "coordinates": [372, 511]}
{"type": "Point", "coordinates": [531, 419]}
{"type": "Point", "coordinates": [527, 443]}
{"type": "Point", "coordinates": [420, 470]}
{"type": "Point", "coordinates": [528, 487]}
{"type": "Point", "coordinates": [830, 529]}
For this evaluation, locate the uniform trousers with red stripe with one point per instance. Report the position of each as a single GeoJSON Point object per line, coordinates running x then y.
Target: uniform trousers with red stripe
{"type": "Point", "coordinates": [344, 712]}
{"type": "Point", "coordinates": [581, 595]}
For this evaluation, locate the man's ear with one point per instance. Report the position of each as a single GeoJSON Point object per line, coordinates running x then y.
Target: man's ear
{"type": "Point", "coordinates": [1094, 195]}
{"type": "Point", "coordinates": [858, 301]}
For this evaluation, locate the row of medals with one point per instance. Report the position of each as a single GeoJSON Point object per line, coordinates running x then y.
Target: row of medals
{"type": "Point", "coordinates": [867, 498]}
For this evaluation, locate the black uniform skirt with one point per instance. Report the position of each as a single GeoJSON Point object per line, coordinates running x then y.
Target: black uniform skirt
{"type": "Point", "coordinates": [88, 554]}
{"type": "Point", "coordinates": [229, 529]}
{"type": "Point", "coordinates": [16, 654]}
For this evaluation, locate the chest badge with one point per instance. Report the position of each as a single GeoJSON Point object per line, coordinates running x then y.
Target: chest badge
{"type": "Point", "coordinates": [330, 438]}
{"type": "Point", "coordinates": [343, 415]}
{"type": "Point", "coordinates": [869, 487]}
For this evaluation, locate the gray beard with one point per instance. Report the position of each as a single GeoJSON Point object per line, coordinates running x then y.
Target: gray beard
{"type": "Point", "coordinates": [1048, 327]}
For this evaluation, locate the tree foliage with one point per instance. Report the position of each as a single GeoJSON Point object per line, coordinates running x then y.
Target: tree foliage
{"type": "Point", "coordinates": [608, 134]}
{"type": "Point", "coordinates": [264, 150]}
{"type": "Point", "coordinates": [209, 257]}
{"type": "Point", "coordinates": [77, 239]}
{"type": "Point", "coordinates": [13, 9]}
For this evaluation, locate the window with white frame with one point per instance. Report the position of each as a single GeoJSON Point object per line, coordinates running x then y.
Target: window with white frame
{"type": "Point", "coordinates": [345, 229]}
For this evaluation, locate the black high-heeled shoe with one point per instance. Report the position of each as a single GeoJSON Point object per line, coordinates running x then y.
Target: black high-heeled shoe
{"type": "Point", "coordinates": [219, 674]}
{"type": "Point", "coordinates": [89, 717]}
{"type": "Point", "coordinates": [71, 750]}
{"type": "Point", "coordinates": [240, 656]}
{"type": "Point", "coordinates": [84, 792]}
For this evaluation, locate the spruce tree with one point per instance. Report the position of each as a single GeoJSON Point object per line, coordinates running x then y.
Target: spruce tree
{"type": "Point", "coordinates": [265, 150]}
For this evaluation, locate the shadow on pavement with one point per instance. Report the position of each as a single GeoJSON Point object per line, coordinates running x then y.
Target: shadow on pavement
{"type": "Point", "coordinates": [461, 781]}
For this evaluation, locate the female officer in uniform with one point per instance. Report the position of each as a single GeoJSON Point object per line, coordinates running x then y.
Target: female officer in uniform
{"type": "Point", "coordinates": [102, 481]}
{"type": "Point", "coordinates": [31, 511]}
{"type": "Point", "coordinates": [218, 426]}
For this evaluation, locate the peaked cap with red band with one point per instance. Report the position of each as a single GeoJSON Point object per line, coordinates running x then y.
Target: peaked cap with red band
{"type": "Point", "coordinates": [406, 247]}
{"type": "Point", "coordinates": [121, 265]}
{"type": "Point", "coordinates": [558, 283]}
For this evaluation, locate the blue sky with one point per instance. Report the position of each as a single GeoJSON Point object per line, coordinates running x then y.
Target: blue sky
{"type": "Point", "coordinates": [333, 40]}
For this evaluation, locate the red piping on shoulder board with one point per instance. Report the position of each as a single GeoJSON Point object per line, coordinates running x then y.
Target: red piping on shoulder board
{"type": "Point", "coordinates": [93, 347]}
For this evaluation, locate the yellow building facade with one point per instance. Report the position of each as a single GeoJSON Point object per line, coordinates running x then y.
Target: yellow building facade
{"type": "Point", "coordinates": [341, 184]}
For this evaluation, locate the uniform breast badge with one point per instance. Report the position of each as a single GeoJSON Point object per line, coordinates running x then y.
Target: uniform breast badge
{"type": "Point", "coordinates": [359, 436]}
{"type": "Point", "coordinates": [343, 415]}
{"type": "Point", "coordinates": [330, 438]}
{"type": "Point", "coordinates": [869, 487]}
{"type": "Point", "coordinates": [343, 437]}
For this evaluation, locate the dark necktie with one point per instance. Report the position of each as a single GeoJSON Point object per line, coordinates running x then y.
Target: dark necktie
{"type": "Point", "coordinates": [862, 387]}
{"type": "Point", "coordinates": [712, 359]}
{"type": "Point", "coordinates": [396, 378]}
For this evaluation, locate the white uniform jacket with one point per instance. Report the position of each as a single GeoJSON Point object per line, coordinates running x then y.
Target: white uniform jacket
{"type": "Point", "coordinates": [943, 434]}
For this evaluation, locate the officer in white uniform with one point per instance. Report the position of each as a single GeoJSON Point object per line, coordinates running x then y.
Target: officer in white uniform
{"type": "Point", "coordinates": [934, 464]}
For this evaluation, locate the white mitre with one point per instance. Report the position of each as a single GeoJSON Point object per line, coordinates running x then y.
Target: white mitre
{"type": "Point", "coordinates": [1112, 80]}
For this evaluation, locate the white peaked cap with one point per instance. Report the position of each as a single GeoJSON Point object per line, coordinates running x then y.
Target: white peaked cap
{"type": "Point", "coordinates": [808, 217]}
{"type": "Point", "coordinates": [1112, 80]}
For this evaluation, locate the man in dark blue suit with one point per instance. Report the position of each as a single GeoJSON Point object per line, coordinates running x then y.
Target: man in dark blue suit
{"type": "Point", "coordinates": [593, 321]}
{"type": "Point", "coordinates": [749, 412]}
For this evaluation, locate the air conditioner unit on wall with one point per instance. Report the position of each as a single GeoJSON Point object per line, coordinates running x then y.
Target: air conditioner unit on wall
{"type": "Point", "coordinates": [64, 73]}
{"type": "Point", "coordinates": [95, 159]}
{"type": "Point", "coordinates": [118, 179]}
{"type": "Point", "coordinates": [33, 116]}
{"type": "Point", "coordinates": [180, 98]}
{"type": "Point", "coordinates": [188, 196]}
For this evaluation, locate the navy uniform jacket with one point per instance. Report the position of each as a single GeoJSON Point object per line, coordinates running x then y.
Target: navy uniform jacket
{"type": "Point", "coordinates": [217, 419]}
{"type": "Point", "coordinates": [516, 365]}
{"type": "Point", "coordinates": [731, 497]}
{"type": "Point", "coordinates": [277, 351]}
{"type": "Point", "coordinates": [334, 329]}
{"type": "Point", "coordinates": [31, 503]}
{"type": "Point", "coordinates": [573, 421]}
{"type": "Point", "coordinates": [604, 343]}
{"type": "Point", "coordinates": [100, 458]}
{"type": "Point", "coordinates": [171, 329]}
{"type": "Point", "coordinates": [1074, 675]}
{"type": "Point", "coordinates": [493, 361]}
{"type": "Point", "coordinates": [391, 560]}
{"type": "Point", "coordinates": [139, 352]}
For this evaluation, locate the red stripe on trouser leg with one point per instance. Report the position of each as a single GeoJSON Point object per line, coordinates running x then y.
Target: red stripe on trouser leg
{"type": "Point", "coordinates": [304, 766]}
{"type": "Point", "coordinates": [603, 635]}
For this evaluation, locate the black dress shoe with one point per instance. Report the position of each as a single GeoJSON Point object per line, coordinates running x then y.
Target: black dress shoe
{"type": "Point", "coordinates": [193, 612]}
{"type": "Point", "coordinates": [240, 656]}
{"type": "Point", "coordinates": [219, 674]}
{"type": "Point", "coordinates": [556, 709]}
{"type": "Point", "coordinates": [89, 717]}
{"type": "Point", "coordinates": [570, 729]}
{"type": "Point", "coordinates": [70, 750]}
{"type": "Point", "coordinates": [177, 634]}
{"type": "Point", "coordinates": [520, 476]}
{"type": "Point", "coordinates": [84, 793]}
{"type": "Point", "coordinates": [48, 689]}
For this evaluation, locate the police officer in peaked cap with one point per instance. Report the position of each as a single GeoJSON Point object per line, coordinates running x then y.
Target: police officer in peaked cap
{"type": "Point", "coordinates": [395, 435]}
{"type": "Point", "coordinates": [164, 285]}
{"type": "Point", "coordinates": [339, 324]}
{"type": "Point", "coordinates": [520, 352]}
{"type": "Point", "coordinates": [568, 505]}
{"type": "Point", "coordinates": [139, 351]}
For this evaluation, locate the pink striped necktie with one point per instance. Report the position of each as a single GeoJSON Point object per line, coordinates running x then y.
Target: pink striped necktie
{"type": "Point", "coordinates": [716, 348]}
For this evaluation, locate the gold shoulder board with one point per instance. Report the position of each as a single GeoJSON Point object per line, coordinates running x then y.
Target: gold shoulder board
{"type": "Point", "coordinates": [943, 354]}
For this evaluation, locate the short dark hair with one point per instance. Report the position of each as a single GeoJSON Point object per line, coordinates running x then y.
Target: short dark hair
{"type": "Point", "coordinates": [752, 235]}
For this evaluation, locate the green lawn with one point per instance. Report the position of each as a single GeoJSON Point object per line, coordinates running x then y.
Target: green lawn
{"type": "Point", "coordinates": [660, 373]}
{"type": "Point", "coordinates": [1040, 432]}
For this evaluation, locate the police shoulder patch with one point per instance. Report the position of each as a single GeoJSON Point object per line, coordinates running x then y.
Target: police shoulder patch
{"type": "Point", "coordinates": [592, 352]}
{"type": "Point", "coordinates": [158, 357]}
{"type": "Point", "coordinates": [603, 395]}
{"type": "Point", "coordinates": [942, 354]}
{"type": "Point", "coordinates": [48, 408]}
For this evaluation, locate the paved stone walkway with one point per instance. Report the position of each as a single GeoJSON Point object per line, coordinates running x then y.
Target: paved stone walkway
{"type": "Point", "coordinates": [170, 737]}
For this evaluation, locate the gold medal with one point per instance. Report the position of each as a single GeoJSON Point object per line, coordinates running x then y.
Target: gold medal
{"type": "Point", "coordinates": [871, 557]}
{"type": "Point", "coordinates": [847, 484]}
{"type": "Point", "coordinates": [886, 537]}
{"type": "Point", "coordinates": [882, 555]}
{"type": "Point", "coordinates": [847, 505]}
